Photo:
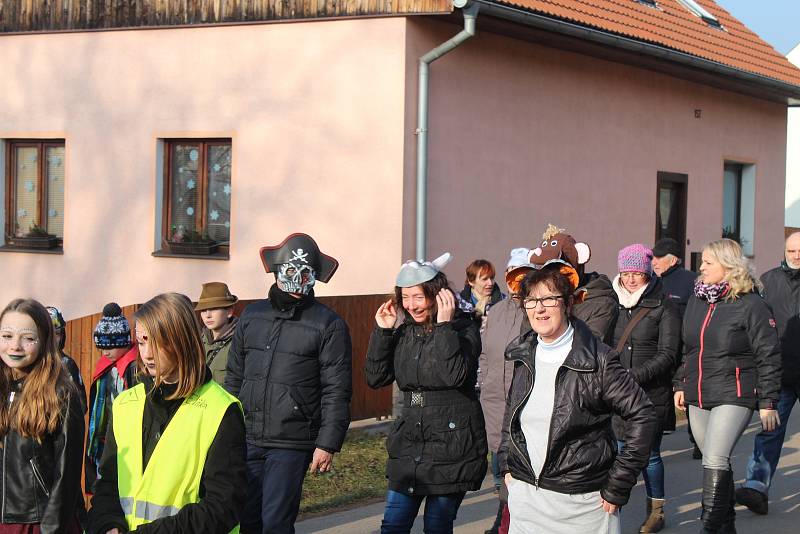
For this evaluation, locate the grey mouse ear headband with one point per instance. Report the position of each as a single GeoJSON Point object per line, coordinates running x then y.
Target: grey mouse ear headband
{"type": "Point", "coordinates": [413, 273]}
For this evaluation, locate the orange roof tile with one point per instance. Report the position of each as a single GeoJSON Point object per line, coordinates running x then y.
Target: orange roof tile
{"type": "Point", "coordinates": [673, 26]}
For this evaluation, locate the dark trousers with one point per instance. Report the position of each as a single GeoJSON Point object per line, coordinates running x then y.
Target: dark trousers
{"type": "Point", "coordinates": [402, 509]}
{"type": "Point", "coordinates": [274, 487]}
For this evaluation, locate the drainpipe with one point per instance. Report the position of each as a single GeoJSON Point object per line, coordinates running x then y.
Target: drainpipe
{"type": "Point", "coordinates": [470, 12]}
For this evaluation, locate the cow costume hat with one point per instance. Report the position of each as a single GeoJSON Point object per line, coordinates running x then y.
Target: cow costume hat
{"type": "Point", "coordinates": [298, 263]}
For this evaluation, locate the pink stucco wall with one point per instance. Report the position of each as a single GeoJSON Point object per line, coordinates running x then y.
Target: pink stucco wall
{"type": "Point", "coordinates": [522, 135]}
{"type": "Point", "coordinates": [315, 113]}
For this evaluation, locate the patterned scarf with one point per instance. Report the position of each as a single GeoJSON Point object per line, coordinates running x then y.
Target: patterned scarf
{"type": "Point", "coordinates": [711, 293]}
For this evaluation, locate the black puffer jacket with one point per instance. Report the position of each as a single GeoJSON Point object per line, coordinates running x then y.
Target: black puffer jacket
{"type": "Point", "coordinates": [41, 482]}
{"type": "Point", "coordinates": [731, 354]}
{"type": "Point", "coordinates": [292, 372]}
{"type": "Point", "coordinates": [782, 293]}
{"type": "Point", "coordinates": [581, 453]}
{"type": "Point", "coordinates": [651, 351]}
{"type": "Point", "coordinates": [678, 286]}
{"type": "Point", "coordinates": [439, 447]}
{"type": "Point", "coordinates": [599, 307]}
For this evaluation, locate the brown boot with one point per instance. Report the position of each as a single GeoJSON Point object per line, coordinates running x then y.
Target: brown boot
{"type": "Point", "coordinates": [655, 516]}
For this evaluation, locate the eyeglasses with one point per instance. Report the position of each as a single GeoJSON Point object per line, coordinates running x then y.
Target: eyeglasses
{"type": "Point", "coordinates": [25, 342]}
{"type": "Point", "coordinates": [633, 275]}
{"type": "Point", "coordinates": [529, 303]}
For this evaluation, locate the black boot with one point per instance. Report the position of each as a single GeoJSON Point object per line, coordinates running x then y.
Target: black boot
{"type": "Point", "coordinates": [497, 520]}
{"type": "Point", "coordinates": [729, 525]}
{"type": "Point", "coordinates": [717, 498]}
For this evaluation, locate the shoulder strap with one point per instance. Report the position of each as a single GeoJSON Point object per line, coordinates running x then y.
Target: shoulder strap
{"type": "Point", "coordinates": [631, 325]}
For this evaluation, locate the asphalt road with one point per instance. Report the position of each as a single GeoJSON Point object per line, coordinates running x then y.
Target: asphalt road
{"type": "Point", "coordinates": [683, 486]}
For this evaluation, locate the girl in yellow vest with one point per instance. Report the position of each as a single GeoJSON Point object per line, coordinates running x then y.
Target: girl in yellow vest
{"type": "Point", "coordinates": [174, 459]}
{"type": "Point", "coordinates": [41, 427]}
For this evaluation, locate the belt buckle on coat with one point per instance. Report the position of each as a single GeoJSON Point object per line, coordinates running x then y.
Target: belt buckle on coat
{"type": "Point", "coordinates": [417, 399]}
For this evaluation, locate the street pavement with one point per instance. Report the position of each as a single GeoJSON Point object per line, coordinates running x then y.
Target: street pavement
{"type": "Point", "coordinates": [683, 485]}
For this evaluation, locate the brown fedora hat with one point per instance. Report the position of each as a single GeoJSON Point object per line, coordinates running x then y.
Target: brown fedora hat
{"type": "Point", "coordinates": [215, 295]}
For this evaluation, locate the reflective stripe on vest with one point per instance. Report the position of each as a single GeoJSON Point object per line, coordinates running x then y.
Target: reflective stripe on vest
{"type": "Point", "coordinates": [172, 477]}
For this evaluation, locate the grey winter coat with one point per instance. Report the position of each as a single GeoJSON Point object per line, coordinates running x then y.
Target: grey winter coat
{"type": "Point", "coordinates": [502, 325]}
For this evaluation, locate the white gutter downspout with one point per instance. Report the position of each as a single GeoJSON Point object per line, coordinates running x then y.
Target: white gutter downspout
{"type": "Point", "coordinates": [470, 11]}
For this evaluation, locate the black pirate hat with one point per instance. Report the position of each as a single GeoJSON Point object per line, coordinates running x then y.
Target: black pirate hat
{"type": "Point", "coordinates": [299, 248]}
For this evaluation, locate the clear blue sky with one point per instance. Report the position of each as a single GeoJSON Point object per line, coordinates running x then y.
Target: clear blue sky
{"type": "Point", "coordinates": [775, 21]}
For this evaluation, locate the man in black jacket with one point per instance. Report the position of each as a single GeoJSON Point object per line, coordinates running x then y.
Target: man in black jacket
{"type": "Point", "coordinates": [678, 282]}
{"type": "Point", "coordinates": [678, 287]}
{"type": "Point", "coordinates": [782, 293]}
{"type": "Point", "coordinates": [290, 365]}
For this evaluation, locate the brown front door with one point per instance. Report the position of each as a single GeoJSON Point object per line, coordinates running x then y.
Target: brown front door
{"type": "Point", "coordinates": [671, 208]}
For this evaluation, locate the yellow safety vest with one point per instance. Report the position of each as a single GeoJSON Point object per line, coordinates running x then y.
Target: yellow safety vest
{"type": "Point", "coordinates": [172, 477]}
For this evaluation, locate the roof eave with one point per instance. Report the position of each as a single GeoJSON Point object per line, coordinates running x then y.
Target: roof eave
{"type": "Point", "coordinates": [790, 92]}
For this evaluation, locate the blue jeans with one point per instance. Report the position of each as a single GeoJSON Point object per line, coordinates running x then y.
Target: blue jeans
{"type": "Point", "coordinates": [498, 478]}
{"type": "Point", "coordinates": [653, 474]}
{"type": "Point", "coordinates": [274, 487]}
{"type": "Point", "coordinates": [401, 510]}
{"type": "Point", "coordinates": [767, 445]}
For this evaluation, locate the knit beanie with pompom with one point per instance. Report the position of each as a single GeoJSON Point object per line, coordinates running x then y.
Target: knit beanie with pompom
{"type": "Point", "coordinates": [113, 330]}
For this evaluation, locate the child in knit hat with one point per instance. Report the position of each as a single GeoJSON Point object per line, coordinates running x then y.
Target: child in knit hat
{"type": "Point", "coordinates": [114, 372]}
{"type": "Point", "coordinates": [59, 326]}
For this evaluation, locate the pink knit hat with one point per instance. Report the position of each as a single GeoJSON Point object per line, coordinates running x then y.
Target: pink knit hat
{"type": "Point", "coordinates": [635, 259]}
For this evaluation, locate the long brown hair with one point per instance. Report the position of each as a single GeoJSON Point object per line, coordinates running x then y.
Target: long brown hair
{"type": "Point", "coordinates": [39, 407]}
{"type": "Point", "coordinates": [174, 336]}
{"type": "Point", "coordinates": [430, 289]}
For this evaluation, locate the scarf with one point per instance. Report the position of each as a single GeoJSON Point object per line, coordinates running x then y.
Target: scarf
{"type": "Point", "coordinates": [627, 299]}
{"type": "Point", "coordinates": [283, 301]}
{"type": "Point", "coordinates": [711, 293]}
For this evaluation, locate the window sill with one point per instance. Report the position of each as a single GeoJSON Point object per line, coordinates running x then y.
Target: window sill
{"type": "Point", "coordinates": [12, 248]}
{"type": "Point", "coordinates": [167, 254]}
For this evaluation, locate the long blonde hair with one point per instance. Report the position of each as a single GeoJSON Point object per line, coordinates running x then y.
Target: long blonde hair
{"type": "Point", "coordinates": [174, 336]}
{"type": "Point", "coordinates": [739, 271]}
{"type": "Point", "coordinates": [39, 407]}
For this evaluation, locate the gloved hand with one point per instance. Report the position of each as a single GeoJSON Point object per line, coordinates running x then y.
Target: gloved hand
{"type": "Point", "coordinates": [769, 419]}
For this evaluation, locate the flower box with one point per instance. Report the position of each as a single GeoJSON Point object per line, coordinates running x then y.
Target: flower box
{"type": "Point", "coordinates": [40, 242]}
{"type": "Point", "coordinates": [206, 248]}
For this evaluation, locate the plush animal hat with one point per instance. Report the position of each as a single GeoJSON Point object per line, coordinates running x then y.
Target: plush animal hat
{"type": "Point", "coordinates": [413, 273]}
{"type": "Point", "coordinates": [557, 245]}
{"type": "Point", "coordinates": [517, 267]}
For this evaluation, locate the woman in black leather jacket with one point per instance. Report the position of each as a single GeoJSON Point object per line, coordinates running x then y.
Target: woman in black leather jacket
{"type": "Point", "coordinates": [557, 448]}
{"type": "Point", "coordinates": [437, 448]}
{"type": "Point", "coordinates": [41, 424]}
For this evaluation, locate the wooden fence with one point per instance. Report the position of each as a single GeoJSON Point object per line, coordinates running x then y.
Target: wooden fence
{"type": "Point", "coordinates": [357, 311]}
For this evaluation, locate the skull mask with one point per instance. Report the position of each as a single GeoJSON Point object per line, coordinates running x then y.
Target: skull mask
{"type": "Point", "coordinates": [296, 278]}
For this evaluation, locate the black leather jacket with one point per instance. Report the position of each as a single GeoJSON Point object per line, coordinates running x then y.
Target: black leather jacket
{"type": "Point", "coordinates": [41, 482]}
{"type": "Point", "coordinates": [591, 385]}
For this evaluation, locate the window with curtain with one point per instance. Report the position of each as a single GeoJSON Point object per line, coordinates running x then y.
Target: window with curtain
{"type": "Point", "coordinates": [35, 189]}
{"type": "Point", "coordinates": [198, 196]}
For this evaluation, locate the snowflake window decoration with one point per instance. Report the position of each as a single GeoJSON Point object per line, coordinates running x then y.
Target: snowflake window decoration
{"type": "Point", "coordinates": [227, 189]}
{"type": "Point", "coordinates": [29, 186]}
{"type": "Point", "coordinates": [214, 215]}
{"type": "Point", "coordinates": [193, 154]}
{"type": "Point", "coordinates": [190, 184]}
{"type": "Point", "coordinates": [190, 211]}
{"type": "Point", "coordinates": [22, 212]}
{"type": "Point", "coordinates": [217, 167]}
{"type": "Point", "coordinates": [227, 224]}
{"type": "Point", "coordinates": [52, 213]}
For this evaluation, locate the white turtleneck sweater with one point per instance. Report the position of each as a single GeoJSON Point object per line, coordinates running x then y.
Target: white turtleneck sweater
{"type": "Point", "coordinates": [535, 509]}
